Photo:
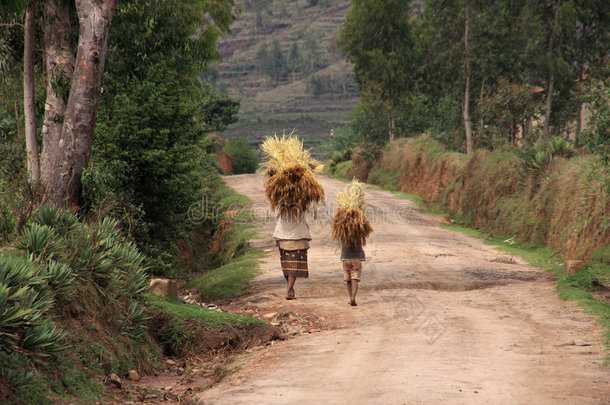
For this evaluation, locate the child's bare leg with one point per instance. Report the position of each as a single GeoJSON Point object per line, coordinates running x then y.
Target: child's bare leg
{"type": "Point", "coordinates": [349, 289]}
{"type": "Point", "coordinates": [290, 287]}
{"type": "Point", "coordinates": [353, 291]}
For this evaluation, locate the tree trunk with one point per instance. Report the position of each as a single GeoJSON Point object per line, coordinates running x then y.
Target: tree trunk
{"type": "Point", "coordinates": [391, 126]}
{"type": "Point", "coordinates": [95, 18]}
{"type": "Point", "coordinates": [481, 123]}
{"type": "Point", "coordinates": [31, 143]}
{"type": "Point", "coordinates": [59, 67]}
{"type": "Point", "coordinates": [579, 123]}
{"type": "Point", "coordinates": [19, 130]}
{"type": "Point", "coordinates": [466, 110]}
{"type": "Point", "coordinates": [549, 95]}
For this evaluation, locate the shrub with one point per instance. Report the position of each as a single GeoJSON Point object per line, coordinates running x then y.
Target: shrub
{"type": "Point", "coordinates": [245, 158]}
{"type": "Point", "coordinates": [150, 166]}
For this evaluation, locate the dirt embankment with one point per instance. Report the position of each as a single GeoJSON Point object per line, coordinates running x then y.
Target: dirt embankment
{"type": "Point", "coordinates": [564, 204]}
{"type": "Point", "coordinates": [441, 318]}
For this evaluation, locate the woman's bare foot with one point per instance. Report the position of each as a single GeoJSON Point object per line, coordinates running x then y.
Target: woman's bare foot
{"type": "Point", "coordinates": [290, 295]}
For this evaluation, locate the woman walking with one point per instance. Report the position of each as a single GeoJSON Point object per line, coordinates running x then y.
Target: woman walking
{"type": "Point", "coordinates": [291, 189]}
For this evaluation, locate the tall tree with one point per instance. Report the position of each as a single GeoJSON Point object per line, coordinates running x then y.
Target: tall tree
{"type": "Point", "coordinates": [277, 61]}
{"type": "Point", "coordinates": [63, 182]}
{"type": "Point", "coordinates": [294, 60]}
{"type": "Point", "coordinates": [31, 140]}
{"type": "Point", "coordinates": [466, 109]}
{"type": "Point", "coordinates": [551, 80]}
{"type": "Point", "coordinates": [59, 68]}
{"type": "Point", "coordinates": [376, 37]}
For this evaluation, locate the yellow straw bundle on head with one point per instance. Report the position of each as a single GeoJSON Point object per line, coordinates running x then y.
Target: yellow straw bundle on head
{"type": "Point", "coordinates": [292, 185]}
{"type": "Point", "coordinates": [352, 197]}
{"type": "Point", "coordinates": [350, 225]}
{"type": "Point", "coordinates": [284, 152]}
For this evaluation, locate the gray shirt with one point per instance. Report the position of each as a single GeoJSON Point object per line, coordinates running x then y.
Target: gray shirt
{"type": "Point", "coordinates": [351, 252]}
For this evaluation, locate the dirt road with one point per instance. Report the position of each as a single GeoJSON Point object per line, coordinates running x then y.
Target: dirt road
{"type": "Point", "coordinates": [441, 318]}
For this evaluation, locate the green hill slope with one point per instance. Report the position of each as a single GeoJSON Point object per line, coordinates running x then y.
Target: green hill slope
{"type": "Point", "coordinates": [308, 88]}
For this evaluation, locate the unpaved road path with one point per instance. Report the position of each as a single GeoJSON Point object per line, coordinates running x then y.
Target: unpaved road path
{"type": "Point", "coordinates": [442, 318]}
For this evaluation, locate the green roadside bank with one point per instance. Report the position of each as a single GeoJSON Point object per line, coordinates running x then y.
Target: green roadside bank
{"type": "Point", "coordinates": [76, 309]}
{"type": "Point", "coordinates": [180, 326]}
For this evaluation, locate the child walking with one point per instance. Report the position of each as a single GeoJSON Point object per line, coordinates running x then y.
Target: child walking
{"type": "Point", "coordinates": [352, 258]}
{"type": "Point", "coordinates": [351, 227]}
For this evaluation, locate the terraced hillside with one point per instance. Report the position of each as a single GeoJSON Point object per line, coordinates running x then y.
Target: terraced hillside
{"type": "Point", "coordinates": [305, 86]}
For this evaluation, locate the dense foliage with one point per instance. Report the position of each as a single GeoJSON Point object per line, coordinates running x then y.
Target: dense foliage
{"type": "Point", "coordinates": [245, 158]}
{"type": "Point", "coordinates": [527, 61]}
{"type": "Point", "coordinates": [151, 161]}
{"type": "Point", "coordinates": [63, 270]}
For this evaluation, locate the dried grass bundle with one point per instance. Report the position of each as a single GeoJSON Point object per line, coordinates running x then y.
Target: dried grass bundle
{"type": "Point", "coordinates": [352, 197]}
{"type": "Point", "coordinates": [350, 224]}
{"type": "Point", "coordinates": [284, 152]}
{"type": "Point", "coordinates": [292, 185]}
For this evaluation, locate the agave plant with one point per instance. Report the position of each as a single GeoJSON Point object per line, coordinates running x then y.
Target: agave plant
{"type": "Point", "coordinates": [561, 147]}
{"type": "Point", "coordinates": [60, 220]}
{"type": "Point", "coordinates": [43, 338]}
{"type": "Point", "coordinates": [60, 277]}
{"type": "Point", "coordinates": [41, 241]}
{"type": "Point", "coordinates": [133, 323]}
{"type": "Point", "coordinates": [22, 307]}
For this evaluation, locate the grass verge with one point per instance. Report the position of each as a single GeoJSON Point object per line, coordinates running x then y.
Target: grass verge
{"type": "Point", "coordinates": [210, 317]}
{"type": "Point", "coordinates": [231, 280]}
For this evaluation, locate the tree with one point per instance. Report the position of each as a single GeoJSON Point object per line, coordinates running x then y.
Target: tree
{"type": "Point", "coordinates": [551, 81]}
{"type": "Point", "coordinates": [245, 159]}
{"type": "Point", "coordinates": [262, 57]}
{"type": "Point", "coordinates": [311, 51]}
{"type": "Point", "coordinates": [59, 68]}
{"type": "Point", "coordinates": [376, 37]}
{"type": "Point", "coordinates": [258, 7]}
{"type": "Point", "coordinates": [67, 152]}
{"type": "Point", "coordinates": [277, 62]}
{"type": "Point", "coordinates": [28, 95]}
{"type": "Point", "coordinates": [151, 162]}
{"type": "Point", "coordinates": [294, 60]}
{"type": "Point", "coordinates": [467, 125]}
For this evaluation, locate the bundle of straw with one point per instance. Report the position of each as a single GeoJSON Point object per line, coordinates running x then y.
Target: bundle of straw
{"type": "Point", "coordinates": [292, 185]}
{"type": "Point", "coordinates": [350, 224]}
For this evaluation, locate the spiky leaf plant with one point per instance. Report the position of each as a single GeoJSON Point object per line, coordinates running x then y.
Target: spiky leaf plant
{"type": "Point", "coordinates": [62, 256]}
{"type": "Point", "coordinates": [350, 225]}
{"type": "Point", "coordinates": [41, 241]}
{"type": "Point", "coordinates": [23, 308]}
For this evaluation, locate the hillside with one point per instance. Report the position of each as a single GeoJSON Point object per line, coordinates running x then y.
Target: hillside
{"type": "Point", "coordinates": [308, 87]}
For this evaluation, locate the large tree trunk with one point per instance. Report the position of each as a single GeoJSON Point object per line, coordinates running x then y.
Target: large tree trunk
{"type": "Point", "coordinates": [59, 67]}
{"type": "Point", "coordinates": [31, 143]}
{"type": "Point", "coordinates": [95, 18]}
{"type": "Point", "coordinates": [466, 109]}
{"type": "Point", "coordinates": [549, 95]}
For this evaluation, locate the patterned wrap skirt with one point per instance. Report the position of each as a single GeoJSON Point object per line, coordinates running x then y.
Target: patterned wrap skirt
{"type": "Point", "coordinates": [294, 263]}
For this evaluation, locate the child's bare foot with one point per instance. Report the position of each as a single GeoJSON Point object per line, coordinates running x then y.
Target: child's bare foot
{"type": "Point", "coordinates": [290, 295]}
{"type": "Point", "coordinates": [353, 303]}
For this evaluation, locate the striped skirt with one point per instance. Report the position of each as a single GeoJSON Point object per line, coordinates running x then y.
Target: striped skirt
{"type": "Point", "coordinates": [294, 263]}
